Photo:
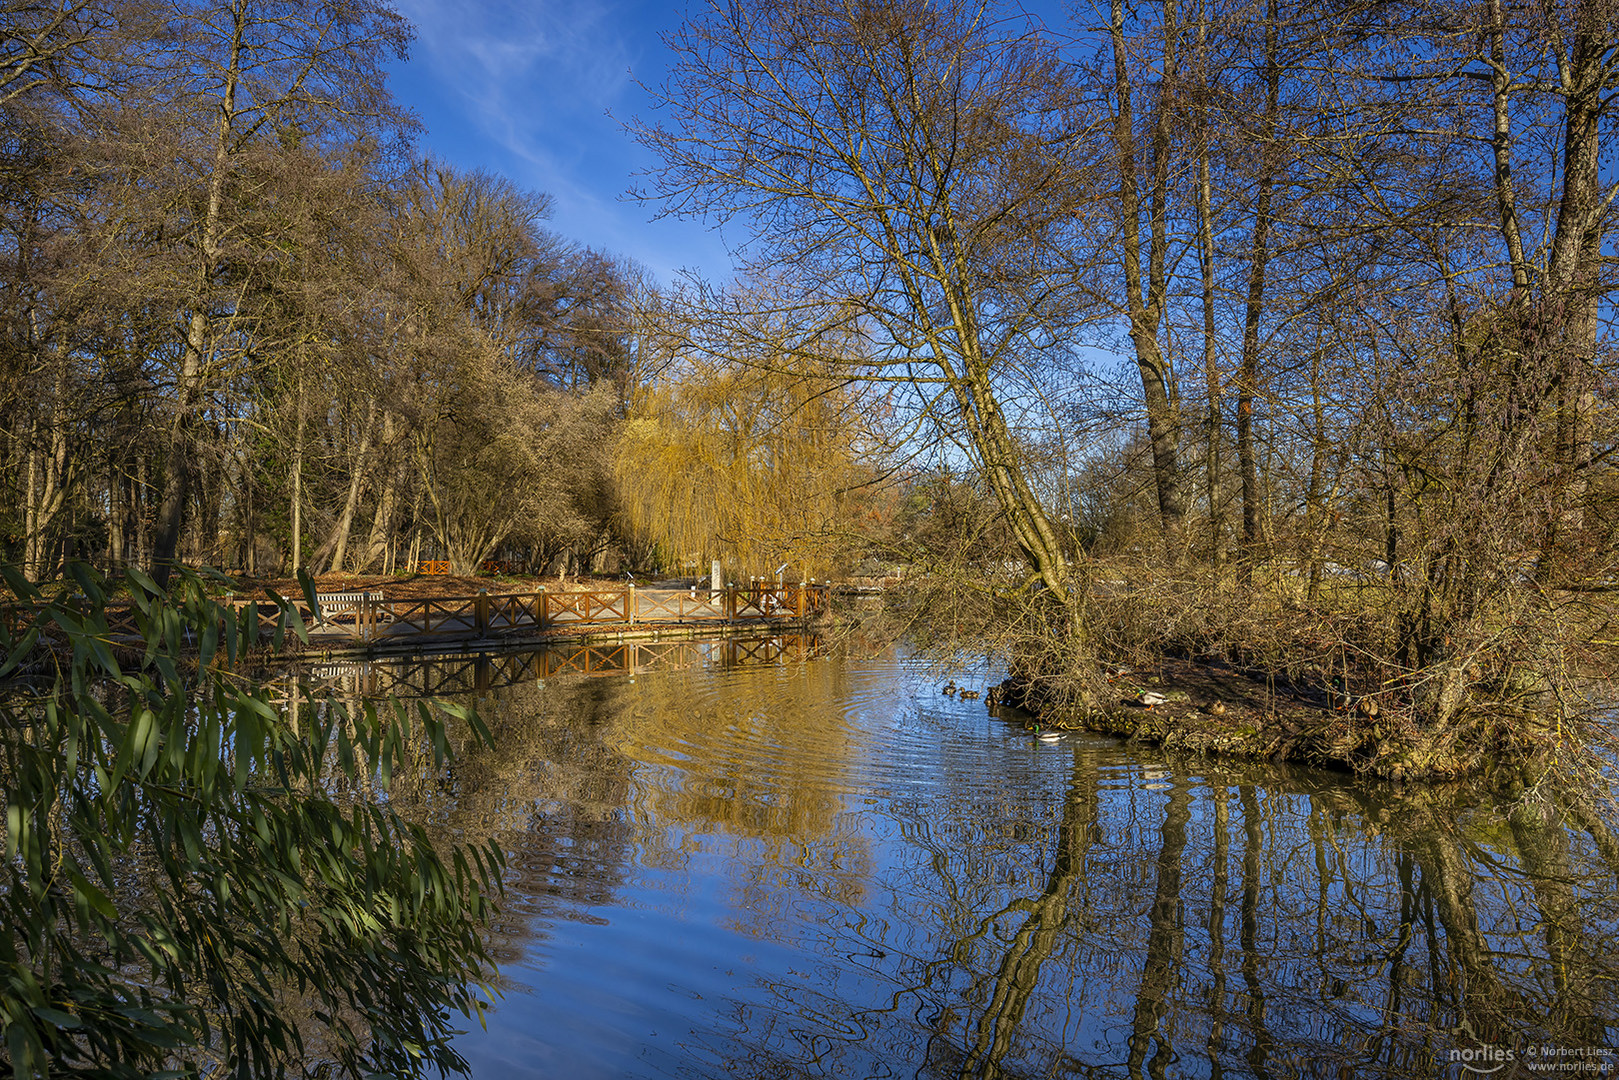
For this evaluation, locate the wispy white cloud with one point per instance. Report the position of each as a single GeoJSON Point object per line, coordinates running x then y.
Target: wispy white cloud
{"type": "Point", "coordinates": [526, 89]}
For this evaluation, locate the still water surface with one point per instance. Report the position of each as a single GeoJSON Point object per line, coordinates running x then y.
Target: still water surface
{"type": "Point", "coordinates": [765, 861]}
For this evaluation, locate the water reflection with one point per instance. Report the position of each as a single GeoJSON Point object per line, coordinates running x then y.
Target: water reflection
{"type": "Point", "coordinates": [479, 672]}
{"type": "Point", "coordinates": [808, 865]}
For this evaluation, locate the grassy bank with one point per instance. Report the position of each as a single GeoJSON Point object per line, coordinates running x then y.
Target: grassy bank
{"type": "Point", "coordinates": [1363, 674]}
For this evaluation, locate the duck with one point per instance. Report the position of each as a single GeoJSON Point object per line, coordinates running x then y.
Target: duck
{"type": "Point", "coordinates": [970, 695]}
{"type": "Point", "coordinates": [949, 688]}
{"type": "Point", "coordinates": [1151, 698]}
{"type": "Point", "coordinates": [1367, 707]}
{"type": "Point", "coordinates": [1216, 708]}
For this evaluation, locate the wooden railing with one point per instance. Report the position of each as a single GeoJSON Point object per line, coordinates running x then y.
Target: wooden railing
{"type": "Point", "coordinates": [370, 617]}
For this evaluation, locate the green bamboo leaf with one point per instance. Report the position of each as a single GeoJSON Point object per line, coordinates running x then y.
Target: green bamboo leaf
{"type": "Point", "coordinates": [71, 624]}
{"type": "Point", "coordinates": [146, 588]}
{"type": "Point", "coordinates": [89, 893]}
{"type": "Point", "coordinates": [58, 1019]}
{"type": "Point", "coordinates": [89, 583]}
{"type": "Point", "coordinates": [133, 735]}
{"type": "Point", "coordinates": [27, 1051]}
{"type": "Point", "coordinates": [16, 829]}
{"type": "Point", "coordinates": [20, 586]}
{"type": "Point", "coordinates": [21, 652]}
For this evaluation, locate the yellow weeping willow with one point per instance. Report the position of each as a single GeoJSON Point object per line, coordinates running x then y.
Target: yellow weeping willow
{"type": "Point", "coordinates": [755, 465]}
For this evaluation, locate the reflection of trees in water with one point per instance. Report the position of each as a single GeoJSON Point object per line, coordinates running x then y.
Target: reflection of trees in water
{"type": "Point", "coordinates": [551, 791]}
{"type": "Point", "coordinates": [751, 771]}
{"type": "Point", "coordinates": [747, 766]}
{"type": "Point", "coordinates": [1250, 923]}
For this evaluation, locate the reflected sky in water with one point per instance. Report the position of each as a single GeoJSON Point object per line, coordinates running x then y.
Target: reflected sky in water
{"type": "Point", "coordinates": [783, 863]}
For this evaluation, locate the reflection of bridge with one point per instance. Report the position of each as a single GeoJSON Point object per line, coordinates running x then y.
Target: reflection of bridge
{"type": "Point", "coordinates": [444, 675]}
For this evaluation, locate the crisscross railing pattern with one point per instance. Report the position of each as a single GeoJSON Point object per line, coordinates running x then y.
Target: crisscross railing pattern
{"type": "Point", "coordinates": [591, 606]}
{"type": "Point", "coordinates": [369, 616]}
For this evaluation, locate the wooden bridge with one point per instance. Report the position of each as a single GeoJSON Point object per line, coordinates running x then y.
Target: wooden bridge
{"type": "Point", "coordinates": [367, 620]}
{"type": "Point", "coordinates": [372, 619]}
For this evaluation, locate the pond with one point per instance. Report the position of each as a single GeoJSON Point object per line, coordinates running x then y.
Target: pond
{"type": "Point", "coordinates": [771, 859]}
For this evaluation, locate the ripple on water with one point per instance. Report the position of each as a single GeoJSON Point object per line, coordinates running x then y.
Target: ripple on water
{"type": "Point", "coordinates": [830, 868]}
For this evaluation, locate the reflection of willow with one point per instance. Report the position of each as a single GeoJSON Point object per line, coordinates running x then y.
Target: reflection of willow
{"type": "Point", "coordinates": [754, 764]}
{"type": "Point", "coordinates": [1046, 915]}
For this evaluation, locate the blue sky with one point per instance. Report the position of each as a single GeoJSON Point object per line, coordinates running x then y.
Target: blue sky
{"type": "Point", "coordinates": [525, 90]}
{"type": "Point", "coordinates": [539, 92]}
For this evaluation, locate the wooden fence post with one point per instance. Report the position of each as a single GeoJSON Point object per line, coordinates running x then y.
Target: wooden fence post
{"type": "Point", "coordinates": [480, 614]}
{"type": "Point", "coordinates": [629, 605]}
{"type": "Point", "coordinates": [730, 601]}
{"type": "Point", "coordinates": [540, 611]}
{"type": "Point", "coordinates": [803, 598]}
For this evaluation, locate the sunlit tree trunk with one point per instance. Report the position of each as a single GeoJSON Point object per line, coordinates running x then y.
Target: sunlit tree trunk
{"type": "Point", "coordinates": [1259, 256]}
{"type": "Point", "coordinates": [197, 347]}
{"type": "Point", "coordinates": [1211, 360]}
{"type": "Point", "coordinates": [1146, 297]}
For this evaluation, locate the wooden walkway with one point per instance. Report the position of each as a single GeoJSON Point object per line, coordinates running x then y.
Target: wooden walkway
{"type": "Point", "coordinates": [364, 621]}
{"type": "Point", "coordinates": [347, 619]}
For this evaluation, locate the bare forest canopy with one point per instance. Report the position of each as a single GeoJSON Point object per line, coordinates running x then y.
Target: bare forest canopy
{"type": "Point", "coordinates": [1307, 292]}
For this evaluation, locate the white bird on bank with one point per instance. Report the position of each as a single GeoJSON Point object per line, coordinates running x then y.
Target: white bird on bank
{"type": "Point", "coordinates": [1150, 698]}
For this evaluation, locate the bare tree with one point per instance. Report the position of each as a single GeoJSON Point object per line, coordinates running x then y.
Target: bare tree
{"type": "Point", "coordinates": [908, 168]}
{"type": "Point", "coordinates": [1146, 296]}
{"type": "Point", "coordinates": [248, 73]}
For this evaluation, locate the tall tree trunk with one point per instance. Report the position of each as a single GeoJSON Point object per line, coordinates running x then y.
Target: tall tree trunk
{"type": "Point", "coordinates": [190, 389]}
{"type": "Point", "coordinates": [1030, 526]}
{"type": "Point", "coordinates": [31, 552]}
{"type": "Point", "coordinates": [1586, 70]}
{"type": "Point", "coordinates": [972, 387]}
{"type": "Point", "coordinates": [1146, 298]}
{"type": "Point", "coordinates": [48, 468]}
{"type": "Point", "coordinates": [210, 479]}
{"type": "Point", "coordinates": [1501, 143]}
{"type": "Point", "coordinates": [1259, 256]}
{"type": "Point", "coordinates": [143, 510]}
{"type": "Point", "coordinates": [115, 518]}
{"type": "Point", "coordinates": [297, 486]}
{"type": "Point", "coordinates": [1315, 505]}
{"type": "Point", "coordinates": [379, 544]}
{"type": "Point", "coordinates": [339, 542]}
{"type": "Point", "coordinates": [1211, 361]}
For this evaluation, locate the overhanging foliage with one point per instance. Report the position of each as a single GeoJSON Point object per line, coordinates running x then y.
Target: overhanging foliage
{"type": "Point", "coordinates": [200, 882]}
